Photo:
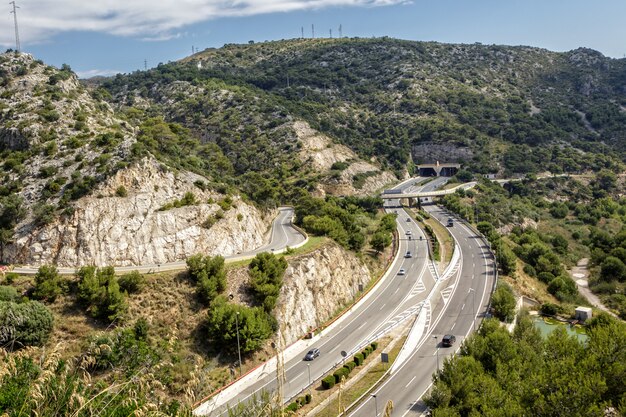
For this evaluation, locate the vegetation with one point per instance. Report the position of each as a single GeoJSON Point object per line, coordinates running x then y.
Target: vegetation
{"type": "Point", "coordinates": [208, 274]}
{"type": "Point", "coordinates": [24, 324]}
{"type": "Point", "coordinates": [99, 291]}
{"type": "Point", "coordinates": [498, 373]}
{"type": "Point", "coordinates": [266, 279]}
{"type": "Point", "coordinates": [48, 283]}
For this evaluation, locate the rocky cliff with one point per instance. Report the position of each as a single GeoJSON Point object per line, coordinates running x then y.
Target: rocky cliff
{"type": "Point", "coordinates": [132, 227]}
{"type": "Point", "coordinates": [346, 173]}
{"type": "Point", "coordinates": [315, 286]}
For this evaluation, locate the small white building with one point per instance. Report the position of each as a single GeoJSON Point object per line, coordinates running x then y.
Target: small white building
{"type": "Point", "coordinates": [583, 313]}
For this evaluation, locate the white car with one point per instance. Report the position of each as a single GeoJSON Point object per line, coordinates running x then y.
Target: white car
{"type": "Point", "coordinates": [408, 233]}
{"type": "Point", "coordinates": [401, 271]}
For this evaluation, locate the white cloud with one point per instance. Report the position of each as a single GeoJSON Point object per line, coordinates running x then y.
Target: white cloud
{"type": "Point", "coordinates": [96, 72]}
{"type": "Point", "coordinates": [150, 19]}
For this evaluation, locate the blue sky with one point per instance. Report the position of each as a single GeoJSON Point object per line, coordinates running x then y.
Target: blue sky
{"type": "Point", "coordinates": [119, 36]}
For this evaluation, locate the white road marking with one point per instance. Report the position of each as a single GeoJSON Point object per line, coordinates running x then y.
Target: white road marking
{"type": "Point", "coordinates": [382, 306]}
{"type": "Point", "coordinates": [299, 375]}
{"type": "Point", "coordinates": [463, 306]}
{"type": "Point", "coordinates": [412, 379]}
{"type": "Point", "coordinates": [453, 326]}
{"type": "Point", "coordinates": [396, 290]}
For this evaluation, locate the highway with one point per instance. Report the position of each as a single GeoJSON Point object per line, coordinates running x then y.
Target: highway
{"type": "Point", "coordinates": [452, 311]}
{"type": "Point", "coordinates": [283, 235]}
{"type": "Point", "coordinates": [376, 314]}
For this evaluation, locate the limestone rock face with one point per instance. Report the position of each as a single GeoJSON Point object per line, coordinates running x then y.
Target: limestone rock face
{"type": "Point", "coordinates": [320, 153]}
{"type": "Point", "coordinates": [315, 286]}
{"type": "Point", "coordinates": [106, 229]}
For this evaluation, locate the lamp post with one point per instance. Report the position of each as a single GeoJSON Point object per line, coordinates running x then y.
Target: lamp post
{"type": "Point", "coordinates": [473, 291]}
{"type": "Point", "coordinates": [375, 404]}
{"type": "Point", "coordinates": [238, 346]}
{"type": "Point", "coordinates": [309, 366]}
{"type": "Point", "coordinates": [437, 346]}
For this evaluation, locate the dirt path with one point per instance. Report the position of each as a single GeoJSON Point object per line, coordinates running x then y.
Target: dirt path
{"type": "Point", "coordinates": [579, 274]}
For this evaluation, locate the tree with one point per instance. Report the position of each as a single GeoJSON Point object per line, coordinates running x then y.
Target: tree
{"type": "Point", "coordinates": [99, 291]}
{"type": "Point", "coordinates": [612, 268]}
{"type": "Point", "coordinates": [503, 302]}
{"type": "Point", "coordinates": [266, 273]}
{"type": "Point", "coordinates": [255, 326]}
{"type": "Point", "coordinates": [380, 240]}
{"type": "Point", "coordinates": [48, 283]}
{"type": "Point", "coordinates": [209, 275]}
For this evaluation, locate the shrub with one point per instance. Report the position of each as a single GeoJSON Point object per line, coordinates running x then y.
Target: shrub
{"type": "Point", "coordinates": [374, 345]}
{"type": "Point", "coordinates": [365, 353]}
{"type": "Point", "coordinates": [25, 324]}
{"type": "Point", "coordinates": [8, 294]}
{"type": "Point", "coordinates": [121, 191]}
{"type": "Point", "coordinates": [503, 302]}
{"type": "Point", "coordinates": [350, 365]}
{"type": "Point", "coordinates": [132, 282]}
{"type": "Point", "coordinates": [340, 373]}
{"type": "Point", "coordinates": [358, 359]}
{"type": "Point", "coordinates": [292, 407]}
{"type": "Point", "coordinates": [48, 283]}
{"type": "Point", "coordinates": [328, 382]}
{"type": "Point", "coordinates": [549, 309]}
{"type": "Point", "coordinates": [266, 272]}
{"type": "Point", "coordinates": [209, 275]}
{"type": "Point", "coordinates": [307, 398]}
{"type": "Point", "coordinates": [10, 277]}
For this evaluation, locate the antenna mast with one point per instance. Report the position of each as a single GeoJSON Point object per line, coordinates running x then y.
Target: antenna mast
{"type": "Point", "coordinates": [17, 33]}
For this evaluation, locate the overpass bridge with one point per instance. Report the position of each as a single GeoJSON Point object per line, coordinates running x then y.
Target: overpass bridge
{"type": "Point", "coordinates": [394, 194]}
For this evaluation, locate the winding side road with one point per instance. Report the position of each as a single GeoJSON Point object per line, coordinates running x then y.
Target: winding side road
{"type": "Point", "coordinates": [283, 235]}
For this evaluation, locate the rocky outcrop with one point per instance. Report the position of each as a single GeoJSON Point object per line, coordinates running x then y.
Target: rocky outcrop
{"type": "Point", "coordinates": [356, 177]}
{"type": "Point", "coordinates": [109, 229]}
{"type": "Point", "coordinates": [315, 286]}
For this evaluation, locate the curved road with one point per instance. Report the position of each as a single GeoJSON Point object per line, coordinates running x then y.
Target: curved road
{"type": "Point", "coordinates": [452, 311]}
{"type": "Point", "coordinates": [383, 308]}
{"type": "Point", "coordinates": [283, 235]}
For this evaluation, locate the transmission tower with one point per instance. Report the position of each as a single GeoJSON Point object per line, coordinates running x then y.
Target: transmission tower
{"type": "Point", "coordinates": [17, 32]}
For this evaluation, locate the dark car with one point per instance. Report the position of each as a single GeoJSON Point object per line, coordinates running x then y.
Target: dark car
{"type": "Point", "coordinates": [312, 354]}
{"type": "Point", "coordinates": [408, 254]}
{"type": "Point", "coordinates": [448, 340]}
{"type": "Point", "coordinates": [450, 222]}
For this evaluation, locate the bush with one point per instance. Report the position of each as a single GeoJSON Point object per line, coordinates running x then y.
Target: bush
{"type": "Point", "coordinates": [550, 309]}
{"type": "Point", "coordinates": [358, 359]}
{"type": "Point", "coordinates": [132, 282]}
{"type": "Point", "coordinates": [9, 294]}
{"type": "Point", "coordinates": [48, 283]}
{"type": "Point", "coordinates": [328, 382]}
{"type": "Point", "coordinates": [340, 373]}
{"type": "Point", "coordinates": [121, 191]}
{"type": "Point", "coordinates": [374, 345]}
{"type": "Point", "coordinates": [25, 324]}
{"type": "Point", "coordinates": [292, 407]}
{"type": "Point", "coordinates": [307, 398]}
{"type": "Point", "coordinates": [209, 275]}
{"type": "Point", "coordinates": [350, 365]}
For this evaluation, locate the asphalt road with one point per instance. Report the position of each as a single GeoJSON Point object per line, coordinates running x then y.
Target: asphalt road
{"type": "Point", "coordinates": [453, 310]}
{"type": "Point", "coordinates": [380, 311]}
{"type": "Point", "coordinates": [283, 235]}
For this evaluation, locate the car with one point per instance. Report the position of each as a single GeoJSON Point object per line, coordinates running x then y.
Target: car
{"type": "Point", "coordinates": [401, 271]}
{"type": "Point", "coordinates": [450, 222]}
{"type": "Point", "coordinates": [448, 340]}
{"type": "Point", "coordinates": [408, 219]}
{"type": "Point", "coordinates": [408, 254]}
{"type": "Point", "coordinates": [408, 233]}
{"type": "Point", "coordinates": [312, 354]}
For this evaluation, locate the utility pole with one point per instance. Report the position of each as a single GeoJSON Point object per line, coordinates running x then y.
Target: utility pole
{"type": "Point", "coordinates": [17, 32]}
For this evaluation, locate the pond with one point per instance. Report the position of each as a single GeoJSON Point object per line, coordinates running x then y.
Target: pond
{"type": "Point", "coordinates": [547, 326]}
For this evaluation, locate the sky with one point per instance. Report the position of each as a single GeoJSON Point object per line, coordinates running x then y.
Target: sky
{"type": "Point", "coordinates": [104, 37]}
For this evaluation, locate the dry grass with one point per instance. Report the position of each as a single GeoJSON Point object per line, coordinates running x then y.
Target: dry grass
{"type": "Point", "coordinates": [446, 243]}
